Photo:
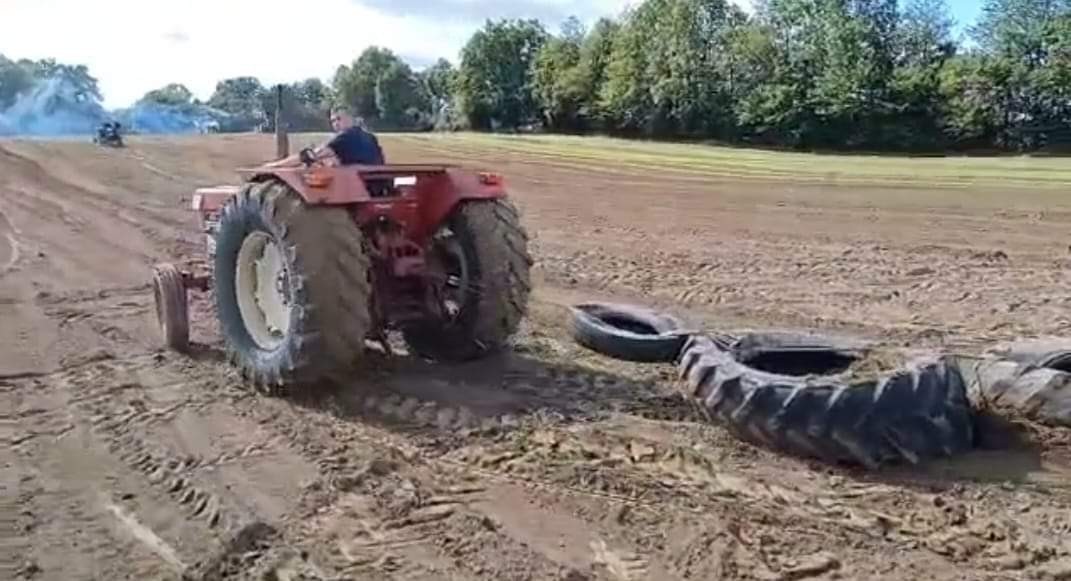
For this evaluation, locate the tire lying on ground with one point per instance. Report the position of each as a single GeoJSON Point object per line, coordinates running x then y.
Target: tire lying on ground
{"type": "Point", "coordinates": [628, 332]}
{"type": "Point", "coordinates": [794, 353]}
{"type": "Point", "coordinates": [913, 414]}
{"type": "Point", "coordinates": [1033, 378]}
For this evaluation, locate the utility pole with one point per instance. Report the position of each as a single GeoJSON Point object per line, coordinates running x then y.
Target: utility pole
{"type": "Point", "coordinates": [282, 140]}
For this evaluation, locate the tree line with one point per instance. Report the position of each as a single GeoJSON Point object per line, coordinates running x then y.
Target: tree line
{"type": "Point", "coordinates": [814, 74]}
{"type": "Point", "coordinates": [851, 74]}
{"type": "Point", "coordinates": [811, 74]}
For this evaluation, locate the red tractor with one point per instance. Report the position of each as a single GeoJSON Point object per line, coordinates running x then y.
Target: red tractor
{"type": "Point", "coordinates": [309, 262]}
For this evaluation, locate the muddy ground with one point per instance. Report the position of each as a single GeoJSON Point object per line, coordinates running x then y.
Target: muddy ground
{"type": "Point", "coordinates": [123, 461]}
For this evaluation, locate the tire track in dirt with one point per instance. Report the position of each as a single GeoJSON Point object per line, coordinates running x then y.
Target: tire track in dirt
{"type": "Point", "coordinates": [180, 450]}
{"type": "Point", "coordinates": [70, 241]}
{"type": "Point", "coordinates": [46, 185]}
{"type": "Point", "coordinates": [549, 464]}
{"type": "Point", "coordinates": [386, 496]}
{"type": "Point", "coordinates": [9, 245]}
{"type": "Point", "coordinates": [443, 540]}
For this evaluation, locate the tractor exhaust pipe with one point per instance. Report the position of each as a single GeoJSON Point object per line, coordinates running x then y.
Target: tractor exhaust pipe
{"type": "Point", "coordinates": [282, 140]}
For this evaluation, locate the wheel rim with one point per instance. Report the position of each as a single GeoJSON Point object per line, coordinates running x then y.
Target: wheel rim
{"type": "Point", "coordinates": [453, 269]}
{"type": "Point", "coordinates": [263, 290]}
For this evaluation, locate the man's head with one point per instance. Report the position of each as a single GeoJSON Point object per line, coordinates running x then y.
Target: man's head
{"type": "Point", "coordinates": [341, 119]}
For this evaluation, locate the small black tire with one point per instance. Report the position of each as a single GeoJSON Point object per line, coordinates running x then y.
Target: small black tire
{"type": "Point", "coordinates": [627, 332]}
{"type": "Point", "coordinates": [172, 314]}
{"type": "Point", "coordinates": [912, 414]}
{"type": "Point", "coordinates": [325, 277]}
{"type": "Point", "coordinates": [495, 246]}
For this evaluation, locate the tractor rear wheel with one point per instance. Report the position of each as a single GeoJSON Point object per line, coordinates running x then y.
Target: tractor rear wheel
{"type": "Point", "coordinates": [292, 287]}
{"type": "Point", "coordinates": [481, 258]}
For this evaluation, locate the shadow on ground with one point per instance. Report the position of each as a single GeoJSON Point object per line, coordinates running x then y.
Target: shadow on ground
{"type": "Point", "coordinates": [499, 391]}
{"type": "Point", "coordinates": [445, 401]}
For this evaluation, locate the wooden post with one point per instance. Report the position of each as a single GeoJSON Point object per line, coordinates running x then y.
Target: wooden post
{"type": "Point", "coordinates": [282, 140]}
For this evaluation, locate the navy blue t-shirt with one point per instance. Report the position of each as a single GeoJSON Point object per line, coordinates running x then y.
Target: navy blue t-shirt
{"type": "Point", "coordinates": [356, 146]}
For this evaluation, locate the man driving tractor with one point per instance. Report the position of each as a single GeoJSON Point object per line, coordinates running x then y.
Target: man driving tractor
{"type": "Point", "coordinates": [352, 144]}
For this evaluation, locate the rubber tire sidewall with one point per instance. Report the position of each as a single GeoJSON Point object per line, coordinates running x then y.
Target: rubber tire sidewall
{"type": "Point", "coordinates": [246, 215]}
{"type": "Point", "coordinates": [590, 330]}
{"type": "Point", "coordinates": [458, 340]}
{"type": "Point", "coordinates": [172, 310]}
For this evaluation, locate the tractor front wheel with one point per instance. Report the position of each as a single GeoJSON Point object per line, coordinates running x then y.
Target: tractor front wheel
{"type": "Point", "coordinates": [292, 288]}
{"type": "Point", "coordinates": [481, 265]}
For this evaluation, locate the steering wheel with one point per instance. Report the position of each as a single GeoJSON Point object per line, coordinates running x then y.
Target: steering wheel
{"type": "Point", "coordinates": [308, 156]}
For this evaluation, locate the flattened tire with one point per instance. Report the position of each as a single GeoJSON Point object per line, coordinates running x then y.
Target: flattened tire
{"type": "Point", "coordinates": [1032, 378]}
{"type": "Point", "coordinates": [326, 279]}
{"type": "Point", "coordinates": [627, 332]}
{"type": "Point", "coordinates": [172, 315]}
{"type": "Point", "coordinates": [495, 244]}
{"type": "Point", "coordinates": [914, 414]}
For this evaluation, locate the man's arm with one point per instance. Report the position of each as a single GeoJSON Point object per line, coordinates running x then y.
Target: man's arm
{"type": "Point", "coordinates": [320, 153]}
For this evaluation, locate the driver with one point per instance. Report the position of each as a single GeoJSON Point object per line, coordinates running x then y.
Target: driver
{"type": "Point", "coordinates": [352, 144]}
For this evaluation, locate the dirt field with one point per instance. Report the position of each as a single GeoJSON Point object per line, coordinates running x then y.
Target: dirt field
{"type": "Point", "coordinates": [122, 461]}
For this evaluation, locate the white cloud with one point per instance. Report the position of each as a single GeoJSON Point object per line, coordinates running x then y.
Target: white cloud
{"type": "Point", "coordinates": [133, 46]}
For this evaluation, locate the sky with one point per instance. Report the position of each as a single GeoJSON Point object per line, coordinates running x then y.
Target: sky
{"type": "Point", "coordinates": [150, 43]}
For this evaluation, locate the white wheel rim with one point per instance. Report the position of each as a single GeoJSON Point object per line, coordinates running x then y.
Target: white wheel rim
{"type": "Point", "coordinates": [261, 284]}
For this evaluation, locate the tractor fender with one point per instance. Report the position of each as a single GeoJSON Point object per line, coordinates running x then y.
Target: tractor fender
{"type": "Point", "coordinates": [338, 186]}
{"type": "Point", "coordinates": [451, 190]}
{"type": "Point", "coordinates": [424, 195]}
{"type": "Point", "coordinates": [330, 186]}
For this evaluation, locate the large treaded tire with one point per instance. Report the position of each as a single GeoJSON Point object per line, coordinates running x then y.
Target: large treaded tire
{"type": "Point", "coordinates": [1030, 378]}
{"type": "Point", "coordinates": [496, 248]}
{"type": "Point", "coordinates": [328, 284]}
{"type": "Point", "coordinates": [918, 413]}
{"type": "Point", "coordinates": [627, 332]}
{"type": "Point", "coordinates": [787, 353]}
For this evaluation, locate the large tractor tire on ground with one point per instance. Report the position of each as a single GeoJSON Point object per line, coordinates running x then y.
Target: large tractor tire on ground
{"type": "Point", "coordinates": [628, 332]}
{"type": "Point", "coordinates": [1030, 378]}
{"type": "Point", "coordinates": [788, 353]}
{"type": "Point", "coordinates": [485, 249]}
{"type": "Point", "coordinates": [292, 287]}
{"type": "Point", "coordinates": [913, 414]}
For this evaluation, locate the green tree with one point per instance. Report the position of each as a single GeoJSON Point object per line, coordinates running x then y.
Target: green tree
{"type": "Point", "coordinates": [923, 47]}
{"type": "Point", "coordinates": [383, 89]}
{"type": "Point", "coordinates": [1020, 44]}
{"type": "Point", "coordinates": [15, 79]}
{"type": "Point", "coordinates": [557, 84]}
{"type": "Point", "coordinates": [355, 85]}
{"type": "Point", "coordinates": [972, 89]}
{"type": "Point", "coordinates": [495, 85]}
{"type": "Point", "coordinates": [172, 94]}
{"type": "Point", "coordinates": [439, 81]}
{"type": "Point", "coordinates": [1017, 28]}
{"type": "Point", "coordinates": [401, 100]}
{"type": "Point", "coordinates": [668, 73]}
{"type": "Point", "coordinates": [244, 99]}
{"type": "Point", "coordinates": [86, 88]}
{"type": "Point", "coordinates": [591, 70]}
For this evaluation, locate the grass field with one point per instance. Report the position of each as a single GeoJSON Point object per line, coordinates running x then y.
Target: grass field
{"type": "Point", "coordinates": [731, 163]}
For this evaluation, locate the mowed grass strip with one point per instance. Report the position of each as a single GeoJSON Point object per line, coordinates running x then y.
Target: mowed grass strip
{"type": "Point", "coordinates": [604, 154]}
